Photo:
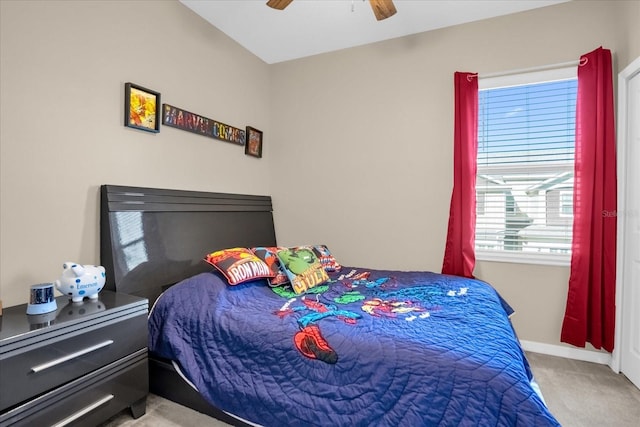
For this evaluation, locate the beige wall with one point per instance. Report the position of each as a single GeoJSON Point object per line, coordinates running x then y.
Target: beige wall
{"type": "Point", "coordinates": [630, 17]}
{"type": "Point", "coordinates": [358, 143]}
{"type": "Point", "coordinates": [63, 69]}
{"type": "Point", "coordinates": [369, 130]}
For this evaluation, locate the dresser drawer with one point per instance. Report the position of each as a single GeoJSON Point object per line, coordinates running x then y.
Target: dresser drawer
{"type": "Point", "coordinates": [89, 400]}
{"type": "Point", "coordinates": [40, 367]}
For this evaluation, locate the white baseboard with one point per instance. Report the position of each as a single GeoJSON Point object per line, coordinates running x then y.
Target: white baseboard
{"type": "Point", "coordinates": [567, 352]}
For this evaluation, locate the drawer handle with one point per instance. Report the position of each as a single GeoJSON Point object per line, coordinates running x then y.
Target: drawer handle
{"type": "Point", "coordinates": [63, 359]}
{"type": "Point", "coordinates": [71, 418]}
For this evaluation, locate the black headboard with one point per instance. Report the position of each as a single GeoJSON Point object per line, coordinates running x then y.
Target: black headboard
{"type": "Point", "coordinates": [152, 238]}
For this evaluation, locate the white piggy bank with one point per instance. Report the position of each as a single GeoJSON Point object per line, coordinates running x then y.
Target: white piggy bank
{"type": "Point", "coordinates": [80, 281]}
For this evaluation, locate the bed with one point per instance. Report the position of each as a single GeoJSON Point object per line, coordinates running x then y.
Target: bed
{"type": "Point", "coordinates": [366, 347]}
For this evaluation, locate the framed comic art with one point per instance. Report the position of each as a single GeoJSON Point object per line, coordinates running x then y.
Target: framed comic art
{"type": "Point", "coordinates": [181, 119]}
{"type": "Point", "coordinates": [141, 108]}
{"type": "Point", "coordinates": [253, 146]}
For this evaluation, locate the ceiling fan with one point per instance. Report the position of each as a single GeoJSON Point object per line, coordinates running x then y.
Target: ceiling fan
{"type": "Point", "coordinates": [382, 9]}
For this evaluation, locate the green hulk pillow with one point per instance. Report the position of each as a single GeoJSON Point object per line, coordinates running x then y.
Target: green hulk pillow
{"type": "Point", "coordinates": [302, 268]}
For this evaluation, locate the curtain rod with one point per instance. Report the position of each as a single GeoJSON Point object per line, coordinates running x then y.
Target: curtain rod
{"type": "Point", "coordinates": [533, 69]}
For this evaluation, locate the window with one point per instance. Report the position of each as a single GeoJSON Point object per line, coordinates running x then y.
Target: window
{"type": "Point", "coordinates": [526, 146]}
{"type": "Point", "coordinates": [566, 203]}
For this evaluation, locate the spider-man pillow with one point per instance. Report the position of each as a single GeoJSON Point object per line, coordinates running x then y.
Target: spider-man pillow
{"type": "Point", "coordinates": [269, 256]}
{"type": "Point", "coordinates": [239, 265]}
{"type": "Point", "coordinates": [302, 268]}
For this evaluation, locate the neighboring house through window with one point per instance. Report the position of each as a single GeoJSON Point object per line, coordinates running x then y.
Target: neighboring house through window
{"type": "Point", "coordinates": [524, 187]}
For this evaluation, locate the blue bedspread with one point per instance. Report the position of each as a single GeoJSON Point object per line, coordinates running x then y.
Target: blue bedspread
{"type": "Point", "coordinates": [373, 348]}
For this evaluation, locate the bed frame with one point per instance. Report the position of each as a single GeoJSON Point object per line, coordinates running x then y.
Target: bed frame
{"type": "Point", "coordinates": [152, 238]}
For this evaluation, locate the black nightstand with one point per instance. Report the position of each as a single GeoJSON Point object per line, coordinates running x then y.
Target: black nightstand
{"type": "Point", "coordinates": [78, 365]}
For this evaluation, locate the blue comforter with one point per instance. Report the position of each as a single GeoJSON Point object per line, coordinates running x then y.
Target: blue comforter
{"type": "Point", "coordinates": [371, 348]}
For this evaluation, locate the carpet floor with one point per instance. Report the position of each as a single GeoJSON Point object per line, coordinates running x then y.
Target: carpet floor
{"type": "Point", "coordinates": [579, 394]}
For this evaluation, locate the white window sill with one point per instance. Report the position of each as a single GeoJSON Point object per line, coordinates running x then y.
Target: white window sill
{"type": "Point", "coordinates": [563, 260]}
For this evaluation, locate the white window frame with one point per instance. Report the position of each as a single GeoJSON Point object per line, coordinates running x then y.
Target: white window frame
{"type": "Point", "coordinates": [515, 79]}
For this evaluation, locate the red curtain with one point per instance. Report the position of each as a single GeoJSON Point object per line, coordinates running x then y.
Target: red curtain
{"type": "Point", "coordinates": [590, 310]}
{"type": "Point", "coordinates": [459, 254]}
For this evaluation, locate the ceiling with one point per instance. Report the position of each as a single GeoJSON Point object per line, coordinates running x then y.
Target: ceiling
{"type": "Point", "coordinates": [311, 27]}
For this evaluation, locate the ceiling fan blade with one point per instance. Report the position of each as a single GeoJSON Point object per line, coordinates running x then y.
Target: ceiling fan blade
{"type": "Point", "coordinates": [278, 4]}
{"type": "Point", "coordinates": [383, 9]}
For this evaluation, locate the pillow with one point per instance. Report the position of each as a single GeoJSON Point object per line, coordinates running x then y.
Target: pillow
{"type": "Point", "coordinates": [269, 256]}
{"type": "Point", "coordinates": [327, 260]}
{"type": "Point", "coordinates": [238, 265]}
{"type": "Point", "coordinates": [302, 268]}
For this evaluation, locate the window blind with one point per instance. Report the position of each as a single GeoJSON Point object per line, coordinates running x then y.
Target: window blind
{"type": "Point", "coordinates": [524, 185]}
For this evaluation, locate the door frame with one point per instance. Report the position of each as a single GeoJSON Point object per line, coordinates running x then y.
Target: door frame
{"type": "Point", "coordinates": [624, 77]}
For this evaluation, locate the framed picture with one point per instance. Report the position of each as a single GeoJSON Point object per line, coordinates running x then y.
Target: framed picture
{"type": "Point", "coordinates": [253, 147]}
{"type": "Point", "coordinates": [141, 108]}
